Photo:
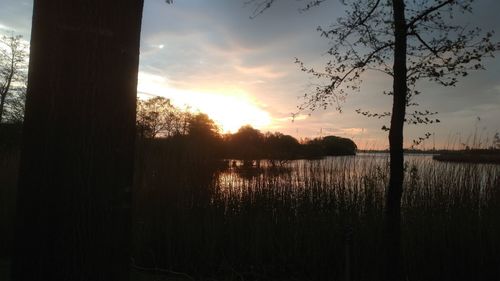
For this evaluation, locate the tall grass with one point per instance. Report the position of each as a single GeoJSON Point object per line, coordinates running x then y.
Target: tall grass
{"type": "Point", "coordinates": [314, 220]}
{"type": "Point", "coordinates": [309, 220]}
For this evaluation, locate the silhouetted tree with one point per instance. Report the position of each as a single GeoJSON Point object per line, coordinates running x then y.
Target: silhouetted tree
{"type": "Point", "coordinates": [422, 42]}
{"type": "Point", "coordinates": [279, 147]}
{"type": "Point", "coordinates": [15, 106]}
{"type": "Point", "coordinates": [312, 148]}
{"type": "Point", "coordinates": [246, 144]}
{"type": "Point", "coordinates": [201, 126]}
{"type": "Point", "coordinates": [13, 67]}
{"type": "Point", "coordinates": [158, 117]}
{"type": "Point", "coordinates": [73, 219]}
{"type": "Point", "coordinates": [333, 146]}
{"type": "Point", "coordinates": [328, 146]}
{"type": "Point", "coordinates": [203, 137]}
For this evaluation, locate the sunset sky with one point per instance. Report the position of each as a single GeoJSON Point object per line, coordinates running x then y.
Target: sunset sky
{"type": "Point", "coordinates": [211, 56]}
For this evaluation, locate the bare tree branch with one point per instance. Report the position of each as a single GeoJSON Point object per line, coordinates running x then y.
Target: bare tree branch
{"type": "Point", "coordinates": [427, 12]}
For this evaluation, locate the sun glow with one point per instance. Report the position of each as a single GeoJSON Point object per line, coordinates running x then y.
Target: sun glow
{"type": "Point", "coordinates": [230, 109]}
{"type": "Point", "coordinates": [230, 112]}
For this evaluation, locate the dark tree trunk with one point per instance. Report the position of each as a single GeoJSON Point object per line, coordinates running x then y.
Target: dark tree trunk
{"type": "Point", "coordinates": [394, 265]}
{"type": "Point", "coordinates": [73, 220]}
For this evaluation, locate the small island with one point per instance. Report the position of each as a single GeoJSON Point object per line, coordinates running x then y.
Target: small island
{"type": "Point", "coordinates": [478, 156]}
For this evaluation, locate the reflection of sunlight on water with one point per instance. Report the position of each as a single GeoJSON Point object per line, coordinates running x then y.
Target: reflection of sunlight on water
{"type": "Point", "coordinates": [349, 172]}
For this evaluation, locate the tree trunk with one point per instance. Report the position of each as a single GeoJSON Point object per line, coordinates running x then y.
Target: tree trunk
{"type": "Point", "coordinates": [394, 265]}
{"type": "Point", "coordinates": [73, 220]}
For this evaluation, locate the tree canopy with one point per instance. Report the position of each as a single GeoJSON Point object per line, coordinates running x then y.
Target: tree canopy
{"type": "Point", "coordinates": [13, 78]}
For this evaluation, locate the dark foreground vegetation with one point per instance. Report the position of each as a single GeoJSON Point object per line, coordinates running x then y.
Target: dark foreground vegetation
{"type": "Point", "coordinates": [306, 220]}
{"type": "Point", "coordinates": [318, 220]}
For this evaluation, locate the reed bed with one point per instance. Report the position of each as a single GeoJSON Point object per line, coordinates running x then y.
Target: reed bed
{"type": "Point", "coordinates": [314, 220]}
{"type": "Point", "coordinates": [308, 220]}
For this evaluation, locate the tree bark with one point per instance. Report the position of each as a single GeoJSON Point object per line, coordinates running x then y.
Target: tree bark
{"type": "Point", "coordinates": [394, 265]}
{"type": "Point", "coordinates": [73, 219]}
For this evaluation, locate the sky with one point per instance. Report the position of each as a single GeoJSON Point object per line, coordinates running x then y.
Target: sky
{"type": "Point", "coordinates": [211, 56]}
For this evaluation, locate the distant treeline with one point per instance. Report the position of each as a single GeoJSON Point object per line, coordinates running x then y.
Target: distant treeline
{"type": "Point", "coordinates": [201, 140]}
{"type": "Point", "coordinates": [251, 144]}
{"type": "Point", "coordinates": [161, 124]}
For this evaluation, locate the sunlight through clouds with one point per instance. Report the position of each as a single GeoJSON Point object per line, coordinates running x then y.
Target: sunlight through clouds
{"type": "Point", "coordinates": [230, 109]}
{"type": "Point", "coordinates": [241, 70]}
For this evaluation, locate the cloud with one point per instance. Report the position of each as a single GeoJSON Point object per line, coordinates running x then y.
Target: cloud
{"type": "Point", "coordinates": [212, 46]}
{"type": "Point", "coordinates": [15, 15]}
{"type": "Point", "coordinates": [5, 28]}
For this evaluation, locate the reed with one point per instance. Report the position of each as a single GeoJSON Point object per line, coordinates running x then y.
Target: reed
{"type": "Point", "coordinates": [308, 220]}
{"type": "Point", "coordinates": [316, 220]}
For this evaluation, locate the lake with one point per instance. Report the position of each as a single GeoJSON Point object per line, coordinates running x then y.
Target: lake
{"type": "Point", "coordinates": [353, 170]}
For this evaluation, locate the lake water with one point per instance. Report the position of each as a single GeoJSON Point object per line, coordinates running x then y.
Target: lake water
{"type": "Point", "coordinates": [354, 171]}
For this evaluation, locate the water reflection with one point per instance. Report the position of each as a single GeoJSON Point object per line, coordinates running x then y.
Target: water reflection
{"type": "Point", "coordinates": [346, 171]}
